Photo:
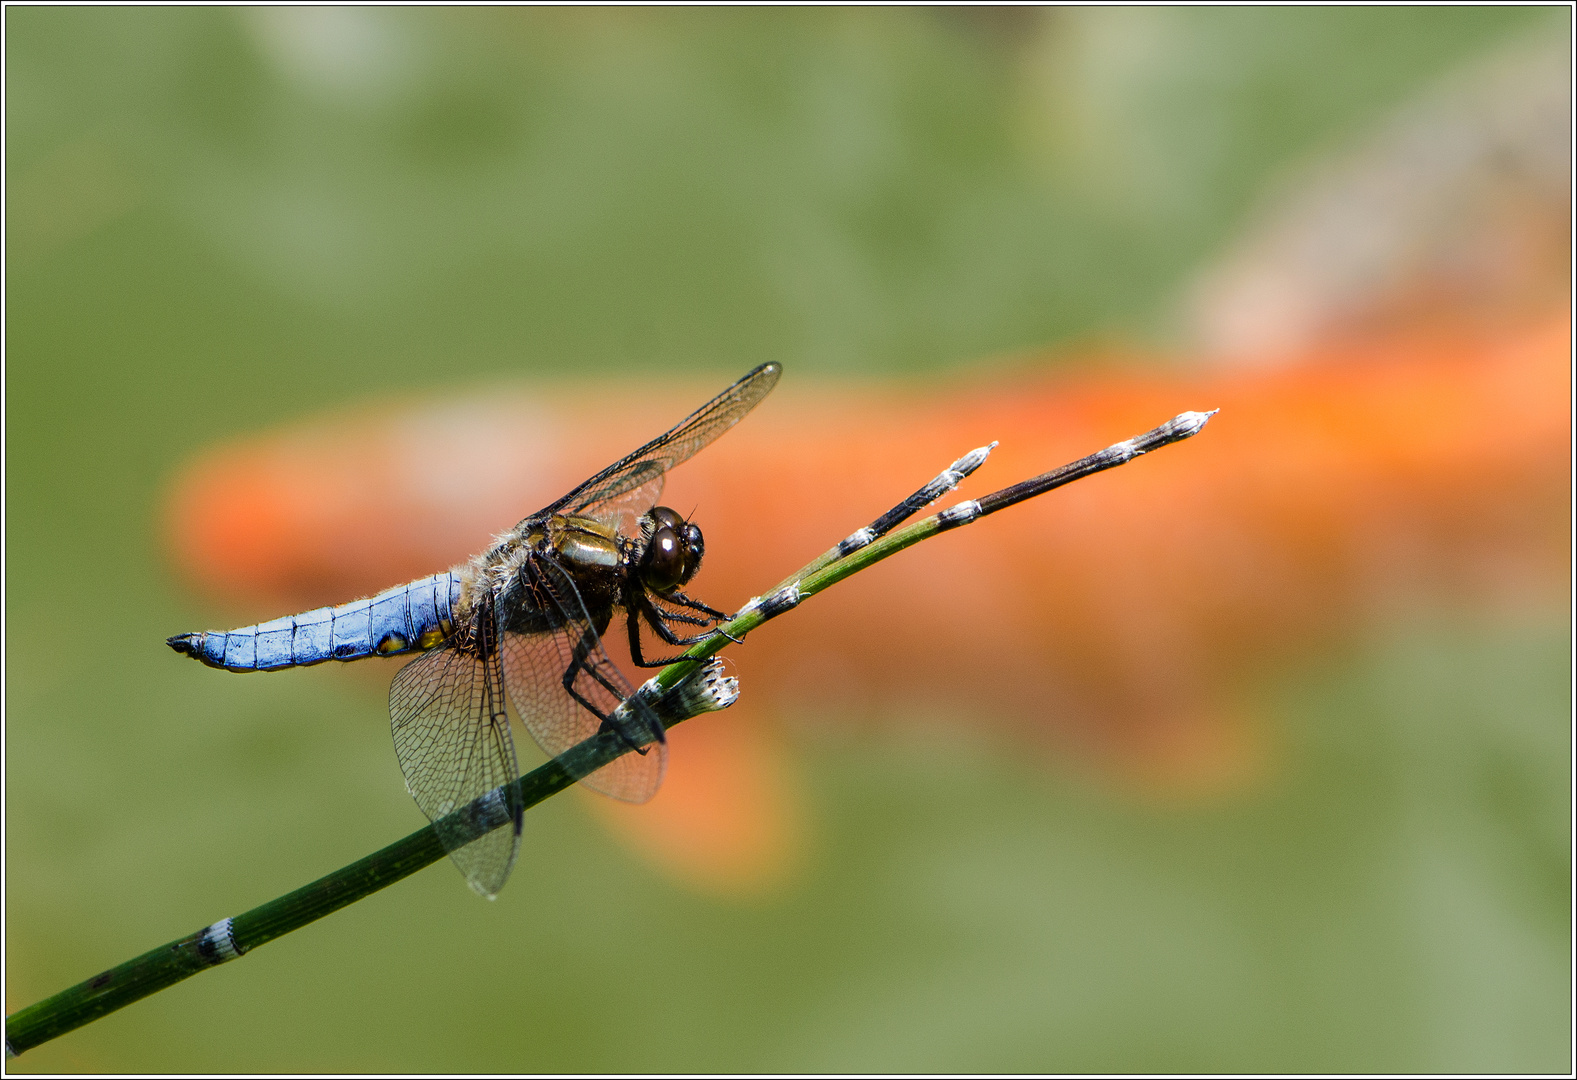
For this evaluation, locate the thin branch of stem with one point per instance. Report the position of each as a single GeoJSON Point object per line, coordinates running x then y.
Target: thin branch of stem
{"type": "Point", "coordinates": [231, 938]}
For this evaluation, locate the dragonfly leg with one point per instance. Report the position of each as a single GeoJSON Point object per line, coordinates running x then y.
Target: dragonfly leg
{"type": "Point", "coordinates": [695, 605]}
{"type": "Point", "coordinates": [679, 616]}
{"type": "Point", "coordinates": [633, 624]}
{"type": "Point", "coordinates": [690, 620]}
{"type": "Point", "coordinates": [659, 620]}
{"type": "Point", "coordinates": [583, 649]}
{"type": "Point", "coordinates": [639, 607]}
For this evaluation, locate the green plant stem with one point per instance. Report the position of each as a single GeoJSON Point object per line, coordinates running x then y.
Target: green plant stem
{"type": "Point", "coordinates": [169, 964]}
{"type": "Point", "coordinates": [231, 938]}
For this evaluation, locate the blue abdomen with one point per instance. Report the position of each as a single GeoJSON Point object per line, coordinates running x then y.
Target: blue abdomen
{"type": "Point", "coordinates": [404, 619]}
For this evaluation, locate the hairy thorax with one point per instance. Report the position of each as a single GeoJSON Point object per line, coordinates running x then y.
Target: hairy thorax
{"type": "Point", "coordinates": [590, 550]}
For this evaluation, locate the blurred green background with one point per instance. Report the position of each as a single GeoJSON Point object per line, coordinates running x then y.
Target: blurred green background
{"type": "Point", "coordinates": [221, 220]}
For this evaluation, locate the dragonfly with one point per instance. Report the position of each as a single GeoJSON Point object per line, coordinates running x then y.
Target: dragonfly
{"type": "Point", "coordinates": [523, 623]}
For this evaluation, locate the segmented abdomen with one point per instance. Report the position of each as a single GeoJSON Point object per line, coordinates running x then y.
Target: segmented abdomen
{"type": "Point", "coordinates": [404, 619]}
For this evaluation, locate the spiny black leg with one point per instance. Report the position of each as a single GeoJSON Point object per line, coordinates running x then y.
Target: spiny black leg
{"type": "Point", "coordinates": [583, 648]}
{"type": "Point", "coordinates": [632, 621]}
{"type": "Point", "coordinates": [635, 609]}
{"type": "Point", "coordinates": [578, 657]}
{"type": "Point", "coordinates": [695, 605]}
{"type": "Point", "coordinates": [689, 620]}
{"type": "Point", "coordinates": [589, 643]}
{"type": "Point", "coordinates": [679, 616]}
{"type": "Point", "coordinates": [708, 609]}
{"type": "Point", "coordinates": [639, 605]}
{"type": "Point", "coordinates": [659, 620]}
{"type": "Point", "coordinates": [578, 664]}
{"type": "Point", "coordinates": [714, 616]}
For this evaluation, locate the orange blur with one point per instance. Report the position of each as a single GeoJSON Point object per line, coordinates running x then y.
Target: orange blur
{"type": "Point", "coordinates": [1127, 619]}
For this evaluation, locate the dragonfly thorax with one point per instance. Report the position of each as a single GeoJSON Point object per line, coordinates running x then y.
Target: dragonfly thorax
{"type": "Point", "coordinates": [671, 550]}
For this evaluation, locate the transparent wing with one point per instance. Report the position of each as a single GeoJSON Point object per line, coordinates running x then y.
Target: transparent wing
{"type": "Point", "coordinates": [639, 476]}
{"type": "Point", "coordinates": [558, 714]}
{"type": "Point", "coordinates": [625, 509]}
{"type": "Point", "coordinates": [451, 732]}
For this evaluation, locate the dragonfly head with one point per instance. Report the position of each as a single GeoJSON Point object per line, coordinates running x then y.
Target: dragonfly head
{"type": "Point", "coordinates": [673, 550]}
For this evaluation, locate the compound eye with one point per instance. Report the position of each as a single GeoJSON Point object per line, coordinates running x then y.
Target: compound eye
{"type": "Point", "coordinates": [662, 517]}
{"type": "Point", "coordinates": [664, 560]}
{"type": "Point", "coordinates": [695, 547]}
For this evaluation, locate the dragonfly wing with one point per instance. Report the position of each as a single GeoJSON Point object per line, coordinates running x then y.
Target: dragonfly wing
{"type": "Point", "coordinates": [639, 470]}
{"type": "Point", "coordinates": [451, 732]}
{"type": "Point", "coordinates": [535, 667]}
{"type": "Point", "coordinates": [624, 510]}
